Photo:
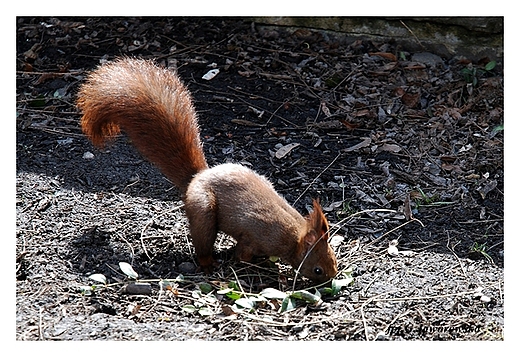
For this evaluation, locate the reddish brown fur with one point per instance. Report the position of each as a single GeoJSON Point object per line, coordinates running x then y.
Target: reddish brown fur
{"type": "Point", "coordinates": [155, 110]}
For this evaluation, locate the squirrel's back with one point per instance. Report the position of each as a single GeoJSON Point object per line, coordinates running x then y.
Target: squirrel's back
{"type": "Point", "coordinates": [153, 107]}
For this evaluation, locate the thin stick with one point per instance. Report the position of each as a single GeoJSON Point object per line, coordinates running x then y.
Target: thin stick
{"type": "Point", "coordinates": [150, 222]}
{"type": "Point", "coordinates": [456, 256]}
{"type": "Point", "coordinates": [132, 253]}
{"type": "Point", "coordinates": [313, 181]}
{"type": "Point", "coordinates": [365, 327]}
{"type": "Point", "coordinates": [40, 324]}
{"type": "Point", "coordinates": [409, 30]}
{"type": "Point", "coordinates": [400, 226]}
{"type": "Point", "coordinates": [140, 316]}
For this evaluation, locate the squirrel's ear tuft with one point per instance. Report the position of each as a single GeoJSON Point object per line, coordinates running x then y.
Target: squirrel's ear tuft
{"type": "Point", "coordinates": [318, 222]}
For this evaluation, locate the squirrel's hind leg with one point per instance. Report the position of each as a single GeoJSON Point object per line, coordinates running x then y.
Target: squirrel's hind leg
{"type": "Point", "coordinates": [243, 252]}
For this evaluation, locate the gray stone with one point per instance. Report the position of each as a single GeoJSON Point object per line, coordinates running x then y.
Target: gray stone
{"type": "Point", "coordinates": [470, 37]}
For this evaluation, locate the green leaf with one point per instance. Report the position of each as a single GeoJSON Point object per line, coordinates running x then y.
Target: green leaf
{"type": "Point", "coordinates": [205, 287]}
{"type": "Point", "coordinates": [233, 285]}
{"type": "Point", "coordinates": [128, 270]}
{"type": "Point", "coordinates": [288, 304]}
{"type": "Point", "coordinates": [306, 296]}
{"type": "Point", "coordinates": [38, 102]}
{"type": "Point", "coordinates": [206, 311]}
{"type": "Point", "coordinates": [189, 308]}
{"type": "Point", "coordinates": [100, 278]}
{"type": "Point", "coordinates": [342, 282]}
{"type": "Point", "coordinates": [490, 65]}
{"type": "Point", "coordinates": [86, 290]}
{"type": "Point", "coordinates": [224, 291]}
{"type": "Point", "coordinates": [196, 294]}
{"type": "Point", "coordinates": [257, 298]}
{"type": "Point", "coordinates": [338, 284]}
{"type": "Point", "coordinates": [234, 295]}
{"type": "Point", "coordinates": [57, 93]}
{"type": "Point", "coordinates": [270, 293]}
{"type": "Point", "coordinates": [164, 284]}
{"type": "Point", "coordinates": [230, 293]}
{"type": "Point", "coordinates": [470, 75]}
{"type": "Point", "coordinates": [245, 303]}
{"type": "Point", "coordinates": [210, 298]}
{"type": "Point", "coordinates": [198, 304]}
{"type": "Point", "coordinates": [327, 291]}
{"type": "Point", "coordinates": [498, 128]}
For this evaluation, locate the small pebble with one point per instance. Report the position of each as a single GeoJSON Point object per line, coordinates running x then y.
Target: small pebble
{"type": "Point", "coordinates": [485, 299]}
{"type": "Point", "coordinates": [88, 155]}
{"type": "Point", "coordinates": [187, 267]}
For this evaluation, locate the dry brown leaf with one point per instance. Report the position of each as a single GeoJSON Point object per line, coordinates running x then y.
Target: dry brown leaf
{"type": "Point", "coordinates": [389, 147]}
{"type": "Point", "coordinates": [245, 122]}
{"type": "Point", "coordinates": [133, 308]}
{"type": "Point", "coordinates": [365, 143]}
{"type": "Point", "coordinates": [329, 124]}
{"type": "Point", "coordinates": [246, 74]}
{"type": "Point", "coordinates": [32, 53]}
{"type": "Point", "coordinates": [325, 109]}
{"type": "Point", "coordinates": [389, 66]}
{"type": "Point", "coordinates": [415, 65]}
{"type": "Point", "coordinates": [350, 125]}
{"type": "Point", "coordinates": [45, 77]}
{"type": "Point", "coordinates": [362, 112]}
{"type": "Point", "coordinates": [410, 99]}
{"type": "Point", "coordinates": [385, 55]}
{"type": "Point", "coordinates": [228, 311]}
{"type": "Point", "coordinates": [487, 188]}
{"type": "Point", "coordinates": [284, 150]}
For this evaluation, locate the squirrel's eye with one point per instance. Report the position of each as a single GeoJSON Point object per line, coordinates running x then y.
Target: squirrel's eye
{"type": "Point", "coordinates": [318, 271]}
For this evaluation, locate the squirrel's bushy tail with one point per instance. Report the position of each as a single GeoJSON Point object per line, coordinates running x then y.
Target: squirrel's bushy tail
{"type": "Point", "coordinates": [153, 107]}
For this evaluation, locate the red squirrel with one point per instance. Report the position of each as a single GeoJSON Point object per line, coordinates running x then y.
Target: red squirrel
{"type": "Point", "coordinates": [154, 108]}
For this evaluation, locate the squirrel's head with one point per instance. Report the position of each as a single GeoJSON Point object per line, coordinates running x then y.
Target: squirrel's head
{"type": "Point", "coordinates": [319, 261]}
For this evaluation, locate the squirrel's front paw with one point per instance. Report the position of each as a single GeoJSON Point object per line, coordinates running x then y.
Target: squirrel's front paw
{"type": "Point", "coordinates": [207, 264]}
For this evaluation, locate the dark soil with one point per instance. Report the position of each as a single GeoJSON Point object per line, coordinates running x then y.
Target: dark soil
{"type": "Point", "coordinates": [402, 149]}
